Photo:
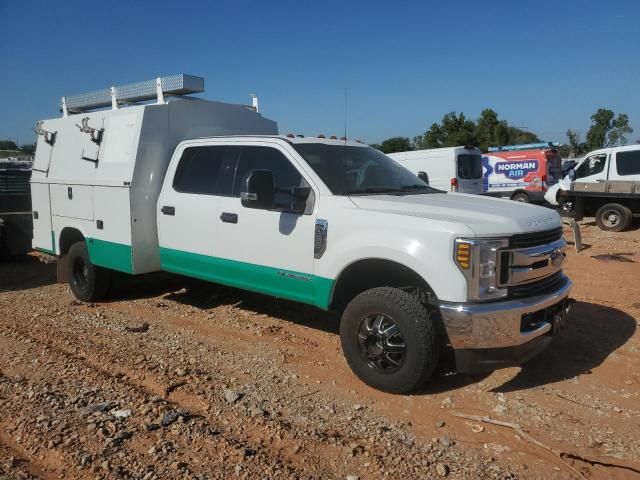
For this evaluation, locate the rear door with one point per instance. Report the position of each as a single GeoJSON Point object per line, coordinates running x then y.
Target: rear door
{"type": "Point", "coordinates": [624, 172]}
{"type": "Point", "coordinates": [43, 235]}
{"type": "Point", "coordinates": [188, 208]}
{"type": "Point", "coordinates": [469, 171]}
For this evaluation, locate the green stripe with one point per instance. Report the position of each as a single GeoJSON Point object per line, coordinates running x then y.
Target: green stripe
{"type": "Point", "coordinates": [110, 255]}
{"type": "Point", "coordinates": [296, 286]}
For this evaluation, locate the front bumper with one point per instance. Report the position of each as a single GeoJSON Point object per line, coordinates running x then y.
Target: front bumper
{"type": "Point", "coordinates": [486, 336]}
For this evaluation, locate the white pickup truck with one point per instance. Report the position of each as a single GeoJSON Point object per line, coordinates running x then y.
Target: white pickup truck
{"type": "Point", "coordinates": [210, 190]}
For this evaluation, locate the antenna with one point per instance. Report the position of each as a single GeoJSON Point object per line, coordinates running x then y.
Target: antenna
{"type": "Point", "coordinates": [345, 114]}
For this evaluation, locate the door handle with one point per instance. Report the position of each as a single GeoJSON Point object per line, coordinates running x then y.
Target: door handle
{"type": "Point", "coordinates": [167, 210]}
{"type": "Point", "coordinates": [229, 217]}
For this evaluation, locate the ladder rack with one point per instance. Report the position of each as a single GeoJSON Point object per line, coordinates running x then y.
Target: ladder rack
{"type": "Point", "coordinates": [524, 146]}
{"type": "Point", "coordinates": [179, 84]}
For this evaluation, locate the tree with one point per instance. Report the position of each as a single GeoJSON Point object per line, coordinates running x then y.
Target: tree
{"type": "Point", "coordinates": [455, 129]}
{"type": "Point", "coordinates": [28, 149]}
{"type": "Point", "coordinates": [394, 144]}
{"type": "Point", "coordinates": [516, 136]}
{"type": "Point", "coordinates": [8, 145]}
{"type": "Point", "coordinates": [607, 129]}
{"type": "Point", "coordinates": [576, 147]}
{"type": "Point", "coordinates": [491, 131]}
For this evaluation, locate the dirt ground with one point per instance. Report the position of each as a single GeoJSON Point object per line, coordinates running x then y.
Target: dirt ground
{"type": "Point", "coordinates": [178, 379]}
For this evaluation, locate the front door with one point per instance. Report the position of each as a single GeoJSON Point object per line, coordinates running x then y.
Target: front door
{"type": "Point", "coordinates": [591, 175]}
{"type": "Point", "coordinates": [268, 251]}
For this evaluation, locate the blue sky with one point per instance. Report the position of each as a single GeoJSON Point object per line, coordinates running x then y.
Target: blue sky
{"type": "Point", "coordinates": [546, 65]}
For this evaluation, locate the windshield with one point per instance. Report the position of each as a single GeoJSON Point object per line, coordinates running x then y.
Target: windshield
{"type": "Point", "coordinates": [348, 170]}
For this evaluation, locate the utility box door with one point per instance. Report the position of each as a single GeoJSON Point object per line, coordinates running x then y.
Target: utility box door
{"type": "Point", "coordinates": [75, 201]}
{"type": "Point", "coordinates": [41, 205]}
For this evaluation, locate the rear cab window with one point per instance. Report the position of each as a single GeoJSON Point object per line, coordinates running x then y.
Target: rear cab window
{"type": "Point", "coordinates": [628, 163]}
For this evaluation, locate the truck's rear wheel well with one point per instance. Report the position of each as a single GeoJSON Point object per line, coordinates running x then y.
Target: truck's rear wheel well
{"type": "Point", "coordinates": [68, 237]}
{"type": "Point", "coordinates": [366, 274]}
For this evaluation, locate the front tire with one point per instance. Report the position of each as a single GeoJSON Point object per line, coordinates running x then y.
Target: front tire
{"type": "Point", "coordinates": [613, 217]}
{"type": "Point", "coordinates": [88, 282]}
{"type": "Point", "coordinates": [389, 340]}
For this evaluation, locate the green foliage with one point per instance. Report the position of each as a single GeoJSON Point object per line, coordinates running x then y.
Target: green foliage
{"type": "Point", "coordinates": [8, 145]}
{"type": "Point", "coordinates": [28, 149]}
{"type": "Point", "coordinates": [394, 144]}
{"type": "Point", "coordinates": [455, 129]}
{"type": "Point", "coordinates": [607, 129]}
{"type": "Point", "coordinates": [575, 148]}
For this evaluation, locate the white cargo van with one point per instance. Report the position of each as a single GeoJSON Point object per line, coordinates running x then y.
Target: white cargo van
{"type": "Point", "coordinates": [210, 190]}
{"type": "Point", "coordinates": [605, 184]}
{"type": "Point", "coordinates": [453, 169]}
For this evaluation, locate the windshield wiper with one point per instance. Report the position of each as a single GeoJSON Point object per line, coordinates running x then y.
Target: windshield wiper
{"type": "Point", "coordinates": [421, 187]}
{"type": "Point", "coordinates": [372, 190]}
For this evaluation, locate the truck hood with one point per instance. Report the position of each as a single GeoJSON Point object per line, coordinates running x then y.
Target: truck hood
{"type": "Point", "coordinates": [483, 215]}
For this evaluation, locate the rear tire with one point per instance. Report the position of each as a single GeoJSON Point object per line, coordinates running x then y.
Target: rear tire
{"type": "Point", "coordinates": [521, 197]}
{"type": "Point", "coordinates": [613, 217]}
{"type": "Point", "coordinates": [88, 282]}
{"type": "Point", "coordinates": [389, 340]}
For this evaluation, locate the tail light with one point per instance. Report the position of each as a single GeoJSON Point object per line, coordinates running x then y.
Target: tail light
{"type": "Point", "coordinates": [454, 184]}
{"type": "Point", "coordinates": [544, 183]}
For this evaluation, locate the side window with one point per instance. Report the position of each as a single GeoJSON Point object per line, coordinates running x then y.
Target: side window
{"type": "Point", "coordinates": [592, 165]}
{"type": "Point", "coordinates": [285, 175]}
{"type": "Point", "coordinates": [628, 163]}
{"type": "Point", "coordinates": [206, 170]}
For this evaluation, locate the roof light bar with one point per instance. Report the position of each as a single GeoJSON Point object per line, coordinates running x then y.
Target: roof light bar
{"type": "Point", "coordinates": [179, 84]}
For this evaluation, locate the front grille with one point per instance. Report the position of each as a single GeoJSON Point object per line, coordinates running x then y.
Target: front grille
{"type": "Point", "coordinates": [533, 239]}
{"type": "Point", "coordinates": [539, 287]}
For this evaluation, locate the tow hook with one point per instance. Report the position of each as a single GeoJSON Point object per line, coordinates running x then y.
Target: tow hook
{"type": "Point", "coordinates": [560, 318]}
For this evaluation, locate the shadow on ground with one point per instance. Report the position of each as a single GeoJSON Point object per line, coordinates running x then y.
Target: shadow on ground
{"type": "Point", "coordinates": [25, 272]}
{"type": "Point", "coordinates": [593, 333]}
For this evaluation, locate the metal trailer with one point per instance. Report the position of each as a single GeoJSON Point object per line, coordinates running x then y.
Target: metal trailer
{"type": "Point", "coordinates": [16, 226]}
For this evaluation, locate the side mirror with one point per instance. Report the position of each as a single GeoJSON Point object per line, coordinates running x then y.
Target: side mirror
{"type": "Point", "coordinates": [296, 201]}
{"type": "Point", "coordinates": [572, 174]}
{"type": "Point", "coordinates": [258, 190]}
{"type": "Point", "coordinates": [424, 177]}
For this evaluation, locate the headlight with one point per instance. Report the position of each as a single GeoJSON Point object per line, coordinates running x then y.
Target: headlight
{"type": "Point", "coordinates": [478, 260]}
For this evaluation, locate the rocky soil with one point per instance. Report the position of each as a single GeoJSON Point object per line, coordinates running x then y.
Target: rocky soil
{"type": "Point", "coordinates": [173, 378]}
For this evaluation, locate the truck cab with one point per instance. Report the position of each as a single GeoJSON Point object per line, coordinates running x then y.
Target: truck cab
{"type": "Point", "coordinates": [336, 224]}
{"type": "Point", "coordinates": [604, 184]}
